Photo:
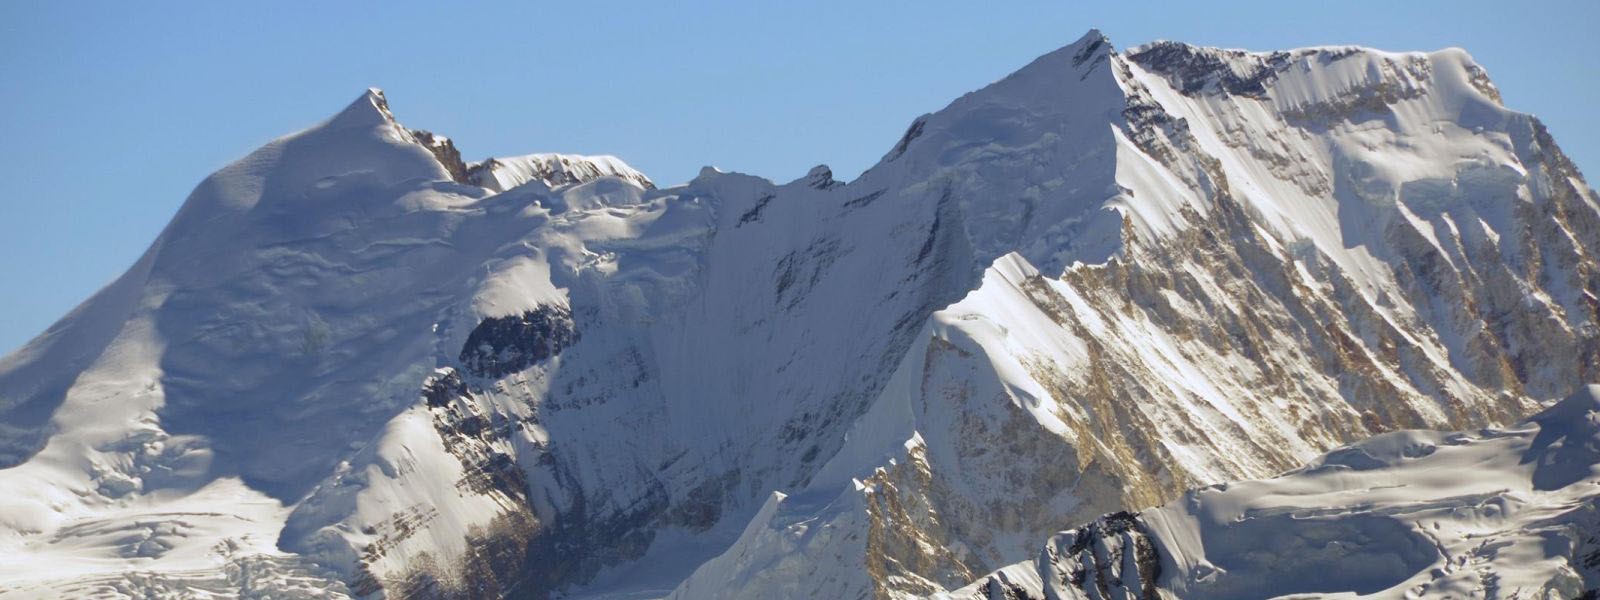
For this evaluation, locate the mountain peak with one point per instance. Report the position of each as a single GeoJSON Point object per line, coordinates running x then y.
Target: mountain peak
{"type": "Point", "coordinates": [820, 177]}
{"type": "Point", "coordinates": [1080, 57]}
{"type": "Point", "coordinates": [1093, 284]}
{"type": "Point", "coordinates": [1093, 46]}
{"type": "Point", "coordinates": [1092, 37]}
{"type": "Point", "coordinates": [369, 109]}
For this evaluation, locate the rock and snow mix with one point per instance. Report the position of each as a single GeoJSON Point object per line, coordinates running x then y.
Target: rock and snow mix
{"type": "Point", "coordinates": [356, 365]}
{"type": "Point", "coordinates": [1511, 513]}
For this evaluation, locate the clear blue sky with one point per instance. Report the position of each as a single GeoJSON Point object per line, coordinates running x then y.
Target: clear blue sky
{"type": "Point", "coordinates": [110, 112]}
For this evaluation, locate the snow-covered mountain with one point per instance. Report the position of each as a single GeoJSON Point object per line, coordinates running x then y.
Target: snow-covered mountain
{"type": "Point", "coordinates": [356, 365]}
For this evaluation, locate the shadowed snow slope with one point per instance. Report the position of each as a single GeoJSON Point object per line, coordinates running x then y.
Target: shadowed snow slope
{"type": "Point", "coordinates": [1511, 513]}
{"type": "Point", "coordinates": [356, 365]}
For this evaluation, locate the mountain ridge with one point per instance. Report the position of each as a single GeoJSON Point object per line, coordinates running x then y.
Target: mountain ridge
{"type": "Point", "coordinates": [1099, 281]}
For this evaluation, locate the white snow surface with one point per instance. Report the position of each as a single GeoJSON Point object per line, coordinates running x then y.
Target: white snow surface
{"type": "Point", "coordinates": [353, 366]}
{"type": "Point", "coordinates": [1512, 512]}
{"type": "Point", "coordinates": [503, 173]}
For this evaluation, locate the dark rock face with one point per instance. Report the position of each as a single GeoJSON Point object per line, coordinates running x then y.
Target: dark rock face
{"type": "Point", "coordinates": [522, 553]}
{"type": "Point", "coordinates": [1094, 53]}
{"type": "Point", "coordinates": [1111, 557]}
{"type": "Point", "coordinates": [999, 589]}
{"type": "Point", "coordinates": [1088, 52]}
{"type": "Point", "coordinates": [445, 151]}
{"type": "Point", "coordinates": [1193, 70]}
{"type": "Point", "coordinates": [754, 214]}
{"type": "Point", "coordinates": [444, 386]}
{"type": "Point", "coordinates": [821, 177]}
{"type": "Point", "coordinates": [498, 561]}
{"type": "Point", "coordinates": [913, 132]}
{"type": "Point", "coordinates": [500, 346]}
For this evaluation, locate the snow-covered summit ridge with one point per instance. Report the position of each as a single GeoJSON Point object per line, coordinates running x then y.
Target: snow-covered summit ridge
{"type": "Point", "coordinates": [496, 174]}
{"type": "Point", "coordinates": [1231, 265]}
{"type": "Point", "coordinates": [1201, 69]}
{"type": "Point", "coordinates": [370, 109]}
{"type": "Point", "coordinates": [554, 170]}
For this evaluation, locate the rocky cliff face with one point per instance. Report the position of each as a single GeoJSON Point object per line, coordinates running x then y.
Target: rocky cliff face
{"type": "Point", "coordinates": [1388, 517]}
{"type": "Point", "coordinates": [1103, 280]}
{"type": "Point", "coordinates": [1274, 289]}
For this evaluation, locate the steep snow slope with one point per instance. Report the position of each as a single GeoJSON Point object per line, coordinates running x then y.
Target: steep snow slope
{"type": "Point", "coordinates": [1313, 246]}
{"type": "Point", "coordinates": [444, 387]}
{"type": "Point", "coordinates": [1087, 287]}
{"type": "Point", "coordinates": [1500, 513]}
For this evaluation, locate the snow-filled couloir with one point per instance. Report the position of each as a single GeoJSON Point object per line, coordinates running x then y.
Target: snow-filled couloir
{"type": "Point", "coordinates": [356, 365]}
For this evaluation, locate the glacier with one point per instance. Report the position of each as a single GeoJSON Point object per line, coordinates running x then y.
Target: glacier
{"type": "Point", "coordinates": [355, 365]}
{"type": "Point", "coordinates": [1389, 517]}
